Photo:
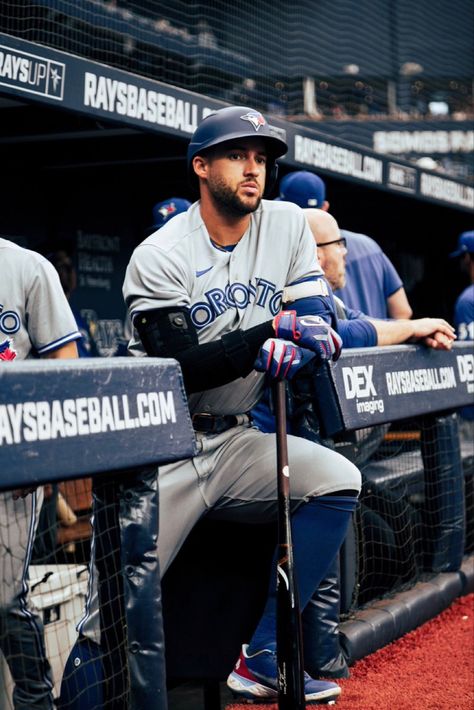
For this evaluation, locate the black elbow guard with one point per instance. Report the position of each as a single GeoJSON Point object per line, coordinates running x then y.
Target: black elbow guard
{"type": "Point", "coordinates": [164, 332]}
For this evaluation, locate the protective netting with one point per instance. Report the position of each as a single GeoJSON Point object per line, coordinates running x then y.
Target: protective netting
{"type": "Point", "coordinates": [416, 511]}
{"type": "Point", "coordinates": [343, 66]}
{"type": "Point", "coordinates": [323, 59]}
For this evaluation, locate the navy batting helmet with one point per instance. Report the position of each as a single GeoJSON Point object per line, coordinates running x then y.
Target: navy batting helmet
{"type": "Point", "coordinates": [231, 123]}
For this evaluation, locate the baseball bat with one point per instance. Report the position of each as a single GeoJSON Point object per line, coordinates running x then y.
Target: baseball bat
{"type": "Point", "coordinates": [289, 635]}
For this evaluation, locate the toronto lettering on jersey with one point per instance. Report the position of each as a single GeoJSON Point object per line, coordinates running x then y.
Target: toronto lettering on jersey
{"type": "Point", "coordinates": [133, 101]}
{"type": "Point", "coordinates": [63, 418]}
{"type": "Point", "coordinates": [31, 73]}
{"type": "Point", "coordinates": [235, 295]}
{"type": "Point", "coordinates": [10, 321]}
{"type": "Point", "coordinates": [338, 159]}
{"type": "Point", "coordinates": [420, 380]}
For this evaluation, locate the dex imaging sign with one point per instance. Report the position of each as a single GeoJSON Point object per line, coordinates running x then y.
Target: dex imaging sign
{"type": "Point", "coordinates": [359, 385]}
{"type": "Point", "coordinates": [386, 384]}
{"type": "Point", "coordinates": [31, 73]}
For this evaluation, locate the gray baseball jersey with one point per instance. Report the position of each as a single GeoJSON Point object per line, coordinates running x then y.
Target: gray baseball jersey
{"type": "Point", "coordinates": [35, 318]}
{"type": "Point", "coordinates": [224, 290]}
{"type": "Point", "coordinates": [34, 313]}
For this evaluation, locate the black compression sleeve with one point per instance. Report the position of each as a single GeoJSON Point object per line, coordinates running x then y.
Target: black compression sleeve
{"type": "Point", "coordinates": [219, 362]}
{"type": "Point", "coordinates": [169, 332]}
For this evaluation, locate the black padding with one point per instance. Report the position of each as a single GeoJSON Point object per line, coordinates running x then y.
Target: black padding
{"type": "Point", "coordinates": [349, 568]}
{"type": "Point", "coordinates": [322, 651]}
{"type": "Point", "coordinates": [236, 347]}
{"type": "Point", "coordinates": [169, 332]}
{"type": "Point", "coordinates": [166, 331]}
{"type": "Point", "coordinates": [386, 620]}
{"type": "Point", "coordinates": [444, 483]}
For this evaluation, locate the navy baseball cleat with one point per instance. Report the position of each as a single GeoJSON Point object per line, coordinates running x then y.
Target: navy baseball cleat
{"type": "Point", "coordinates": [254, 678]}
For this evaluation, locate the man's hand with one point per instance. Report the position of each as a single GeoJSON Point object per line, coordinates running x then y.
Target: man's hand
{"type": "Point", "coordinates": [434, 332]}
{"type": "Point", "coordinates": [281, 359]}
{"type": "Point", "coordinates": [310, 332]}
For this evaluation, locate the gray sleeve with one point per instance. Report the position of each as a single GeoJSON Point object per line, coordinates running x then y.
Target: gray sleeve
{"type": "Point", "coordinates": [154, 280]}
{"type": "Point", "coordinates": [50, 321]}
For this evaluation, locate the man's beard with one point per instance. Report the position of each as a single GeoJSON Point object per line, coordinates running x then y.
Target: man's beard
{"type": "Point", "coordinates": [229, 201]}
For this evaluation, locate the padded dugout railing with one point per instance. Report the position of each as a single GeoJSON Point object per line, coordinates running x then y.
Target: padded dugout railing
{"type": "Point", "coordinates": [114, 421]}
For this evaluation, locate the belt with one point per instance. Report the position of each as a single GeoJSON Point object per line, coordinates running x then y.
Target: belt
{"type": "Point", "coordinates": [213, 423]}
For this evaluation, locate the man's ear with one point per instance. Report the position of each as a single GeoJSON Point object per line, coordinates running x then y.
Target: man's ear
{"type": "Point", "coordinates": [325, 207]}
{"type": "Point", "coordinates": [200, 166]}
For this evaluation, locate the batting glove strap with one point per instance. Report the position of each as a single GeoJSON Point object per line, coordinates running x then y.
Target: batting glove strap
{"type": "Point", "coordinates": [281, 359]}
{"type": "Point", "coordinates": [311, 332]}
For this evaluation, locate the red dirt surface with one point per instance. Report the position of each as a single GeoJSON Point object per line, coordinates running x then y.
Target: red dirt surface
{"type": "Point", "coordinates": [431, 668]}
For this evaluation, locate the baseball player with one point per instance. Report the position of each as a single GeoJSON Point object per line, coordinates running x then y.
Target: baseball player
{"type": "Point", "coordinates": [208, 290]}
{"type": "Point", "coordinates": [464, 315]}
{"type": "Point", "coordinates": [35, 321]}
{"type": "Point", "coordinates": [373, 285]}
{"type": "Point", "coordinates": [464, 306]}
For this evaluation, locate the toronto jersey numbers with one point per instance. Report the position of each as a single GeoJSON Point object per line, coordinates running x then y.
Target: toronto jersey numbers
{"type": "Point", "coordinates": [236, 295]}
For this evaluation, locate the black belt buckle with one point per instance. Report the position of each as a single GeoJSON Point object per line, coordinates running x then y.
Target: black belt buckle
{"type": "Point", "coordinates": [204, 422]}
{"type": "Point", "coordinates": [212, 423]}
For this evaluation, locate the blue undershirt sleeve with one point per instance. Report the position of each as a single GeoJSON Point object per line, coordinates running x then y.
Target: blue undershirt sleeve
{"type": "Point", "coordinates": [352, 314]}
{"type": "Point", "coordinates": [357, 333]}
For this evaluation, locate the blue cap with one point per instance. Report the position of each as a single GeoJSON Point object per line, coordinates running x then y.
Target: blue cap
{"type": "Point", "coordinates": [465, 244]}
{"type": "Point", "coordinates": [303, 188]}
{"type": "Point", "coordinates": [164, 211]}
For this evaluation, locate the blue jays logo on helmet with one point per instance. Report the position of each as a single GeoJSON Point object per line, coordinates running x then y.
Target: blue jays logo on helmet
{"type": "Point", "coordinates": [6, 350]}
{"type": "Point", "coordinates": [255, 118]}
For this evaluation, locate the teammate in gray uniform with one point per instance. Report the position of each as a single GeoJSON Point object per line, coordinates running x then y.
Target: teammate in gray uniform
{"type": "Point", "coordinates": [35, 321]}
{"type": "Point", "coordinates": [208, 291]}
